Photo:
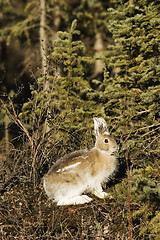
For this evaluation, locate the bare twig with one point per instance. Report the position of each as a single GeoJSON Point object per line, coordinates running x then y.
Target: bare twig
{"type": "Point", "coordinates": [143, 128]}
{"type": "Point", "coordinates": [20, 124]}
{"type": "Point", "coordinates": [128, 171]}
{"type": "Point", "coordinates": [151, 142]}
{"type": "Point", "coordinates": [128, 195]}
{"type": "Point", "coordinates": [17, 121]}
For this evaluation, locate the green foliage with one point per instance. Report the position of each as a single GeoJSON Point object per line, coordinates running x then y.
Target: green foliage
{"type": "Point", "coordinates": [143, 187]}
{"type": "Point", "coordinates": [67, 51]}
{"type": "Point", "coordinates": [128, 97]}
{"type": "Point", "coordinates": [132, 96]}
{"type": "Point", "coordinates": [69, 97]}
{"type": "Point", "coordinates": [74, 98]}
{"type": "Point", "coordinates": [153, 227]}
{"type": "Point", "coordinates": [4, 116]}
{"type": "Point", "coordinates": [132, 105]}
{"type": "Point", "coordinates": [17, 21]}
{"type": "Point", "coordinates": [145, 196]}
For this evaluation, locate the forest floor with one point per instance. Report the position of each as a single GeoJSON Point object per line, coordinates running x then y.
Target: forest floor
{"type": "Point", "coordinates": [27, 213]}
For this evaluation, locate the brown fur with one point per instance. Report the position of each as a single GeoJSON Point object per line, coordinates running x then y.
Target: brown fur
{"type": "Point", "coordinates": [83, 170]}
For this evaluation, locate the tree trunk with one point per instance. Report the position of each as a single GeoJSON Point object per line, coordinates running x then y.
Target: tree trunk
{"type": "Point", "coordinates": [98, 47]}
{"type": "Point", "coordinates": [43, 41]}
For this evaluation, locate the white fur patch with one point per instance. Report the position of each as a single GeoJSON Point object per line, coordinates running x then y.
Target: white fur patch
{"type": "Point", "coordinates": [106, 132]}
{"type": "Point", "coordinates": [109, 152]}
{"type": "Point", "coordinates": [44, 184]}
{"type": "Point", "coordinates": [100, 123]}
{"type": "Point", "coordinates": [69, 167]}
{"type": "Point", "coordinates": [85, 157]}
{"type": "Point", "coordinates": [75, 200]}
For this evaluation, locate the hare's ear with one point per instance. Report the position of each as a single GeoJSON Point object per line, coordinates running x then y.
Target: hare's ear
{"type": "Point", "coordinates": [100, 126]}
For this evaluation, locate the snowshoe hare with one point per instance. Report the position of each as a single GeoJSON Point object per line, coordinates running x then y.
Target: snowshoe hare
{"type": "Point", "coordinates": [83, 171]}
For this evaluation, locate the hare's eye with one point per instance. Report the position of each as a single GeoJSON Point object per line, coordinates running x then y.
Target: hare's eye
{"type": "Point", "coordinates": [106, 140]}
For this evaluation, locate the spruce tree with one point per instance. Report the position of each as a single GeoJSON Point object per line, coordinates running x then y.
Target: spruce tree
{"type": "Point", "coordinates": [69, 99]}
{"type": "Point", "coordinates": [134, 93]}
{"type": "Point", "coordinates": [132, 103]}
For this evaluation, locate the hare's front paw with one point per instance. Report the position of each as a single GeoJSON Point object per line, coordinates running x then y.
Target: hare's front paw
{"type": "Point", "coordinates": [98, 192]}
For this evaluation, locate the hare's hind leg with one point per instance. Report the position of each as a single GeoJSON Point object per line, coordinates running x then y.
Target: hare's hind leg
{"type": "Point", "coordinates": [71, 193]}
{"type": "Point", "coordinates": [66, 188]}
{"type": "Point", "coordinates": [75, 200]}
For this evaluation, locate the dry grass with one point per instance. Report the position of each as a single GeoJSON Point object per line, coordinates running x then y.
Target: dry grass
{"type": "Point", "coordinates": [26, 212]}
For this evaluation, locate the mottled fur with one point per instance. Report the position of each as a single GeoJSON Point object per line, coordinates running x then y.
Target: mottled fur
{"type": "Point", "coordinates": [83, 170]}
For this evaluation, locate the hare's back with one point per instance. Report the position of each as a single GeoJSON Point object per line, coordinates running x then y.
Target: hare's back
{"type": "Point", "coordinates": [67, 160]}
